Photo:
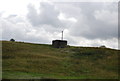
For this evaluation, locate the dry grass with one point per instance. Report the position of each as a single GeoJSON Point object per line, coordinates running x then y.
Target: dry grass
{"type": "Point", "coordinates": [72, 62]}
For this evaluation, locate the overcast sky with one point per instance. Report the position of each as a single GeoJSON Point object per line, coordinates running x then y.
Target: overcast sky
{"type": "Point", "coordinates": [85, 23]}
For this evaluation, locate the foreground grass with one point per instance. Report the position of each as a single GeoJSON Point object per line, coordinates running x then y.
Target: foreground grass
{"type": "Point", "coordinates": [28, 75]}
{"type": "Point", "coordinates": [26, 60]}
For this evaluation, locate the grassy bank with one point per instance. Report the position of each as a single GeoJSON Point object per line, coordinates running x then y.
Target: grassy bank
{"type": "Point", "coordinates": [27, 60]}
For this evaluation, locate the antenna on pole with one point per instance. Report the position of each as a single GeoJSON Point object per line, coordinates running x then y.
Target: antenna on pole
{"type": "Point", "coordinates": [62, 35]}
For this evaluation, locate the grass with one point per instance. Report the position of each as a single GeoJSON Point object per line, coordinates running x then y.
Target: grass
{"type": "Point", "coordinates": [27, 60]}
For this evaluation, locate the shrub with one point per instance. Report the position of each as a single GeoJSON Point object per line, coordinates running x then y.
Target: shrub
{"type": "Point", "coordinates": [12, 40]}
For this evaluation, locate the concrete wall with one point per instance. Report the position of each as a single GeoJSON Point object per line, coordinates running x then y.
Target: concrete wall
{"type": "Point", "coordinates": [59, 43]}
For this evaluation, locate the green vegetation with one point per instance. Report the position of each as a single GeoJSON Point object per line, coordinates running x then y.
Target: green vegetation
{"type": "Point", "coordinates": [26, 60]}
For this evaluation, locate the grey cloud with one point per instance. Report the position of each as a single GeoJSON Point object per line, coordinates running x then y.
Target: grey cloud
{"type": "Point", "coordinates": [48, 15]}
{"type": "Point", "coordinates": [1, 13]}
{"type": "Point", "coordinates": [92, 28]}
{"type": "Point", "coordinates": [87, 25]}
{"type": "Point", "coordinates": [21, 33]}
{"type": "Point", "coordinates": [32, 15]}
{"type": "Point", "coordinates": [11, 30]}
{"type": "Point", "coordinates": [15, 19]}
{"type": "Point", "coordinates": [119, 21]}
{"type": "Point", "coordinates": [11, 16]}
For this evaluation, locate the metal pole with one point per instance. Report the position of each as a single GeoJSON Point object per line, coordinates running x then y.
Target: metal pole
{"type": "Point", "coordinates": [62, 35]}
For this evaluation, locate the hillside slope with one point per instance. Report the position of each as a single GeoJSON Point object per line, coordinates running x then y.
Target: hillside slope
{"type": "Point", "coordinates": [27, 60]}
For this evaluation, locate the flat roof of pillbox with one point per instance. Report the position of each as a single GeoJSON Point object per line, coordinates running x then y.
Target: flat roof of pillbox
{"type": "Point", "coordinates": [60, 40]}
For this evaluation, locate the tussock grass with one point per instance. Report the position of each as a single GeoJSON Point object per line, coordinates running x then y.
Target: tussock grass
{"type": "Point", "coordinates": [27, 60]}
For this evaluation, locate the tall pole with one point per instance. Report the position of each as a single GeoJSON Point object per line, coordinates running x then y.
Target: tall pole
{"type": "Point", "coordinates": [62, 35]}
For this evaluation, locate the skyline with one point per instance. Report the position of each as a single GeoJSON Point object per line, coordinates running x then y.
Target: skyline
{"type": "Point", "coordinates": [84, 23]}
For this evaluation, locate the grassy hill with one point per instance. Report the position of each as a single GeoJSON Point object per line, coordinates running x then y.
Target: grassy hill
{"type": "Point", "coordinates": [29, 61]}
